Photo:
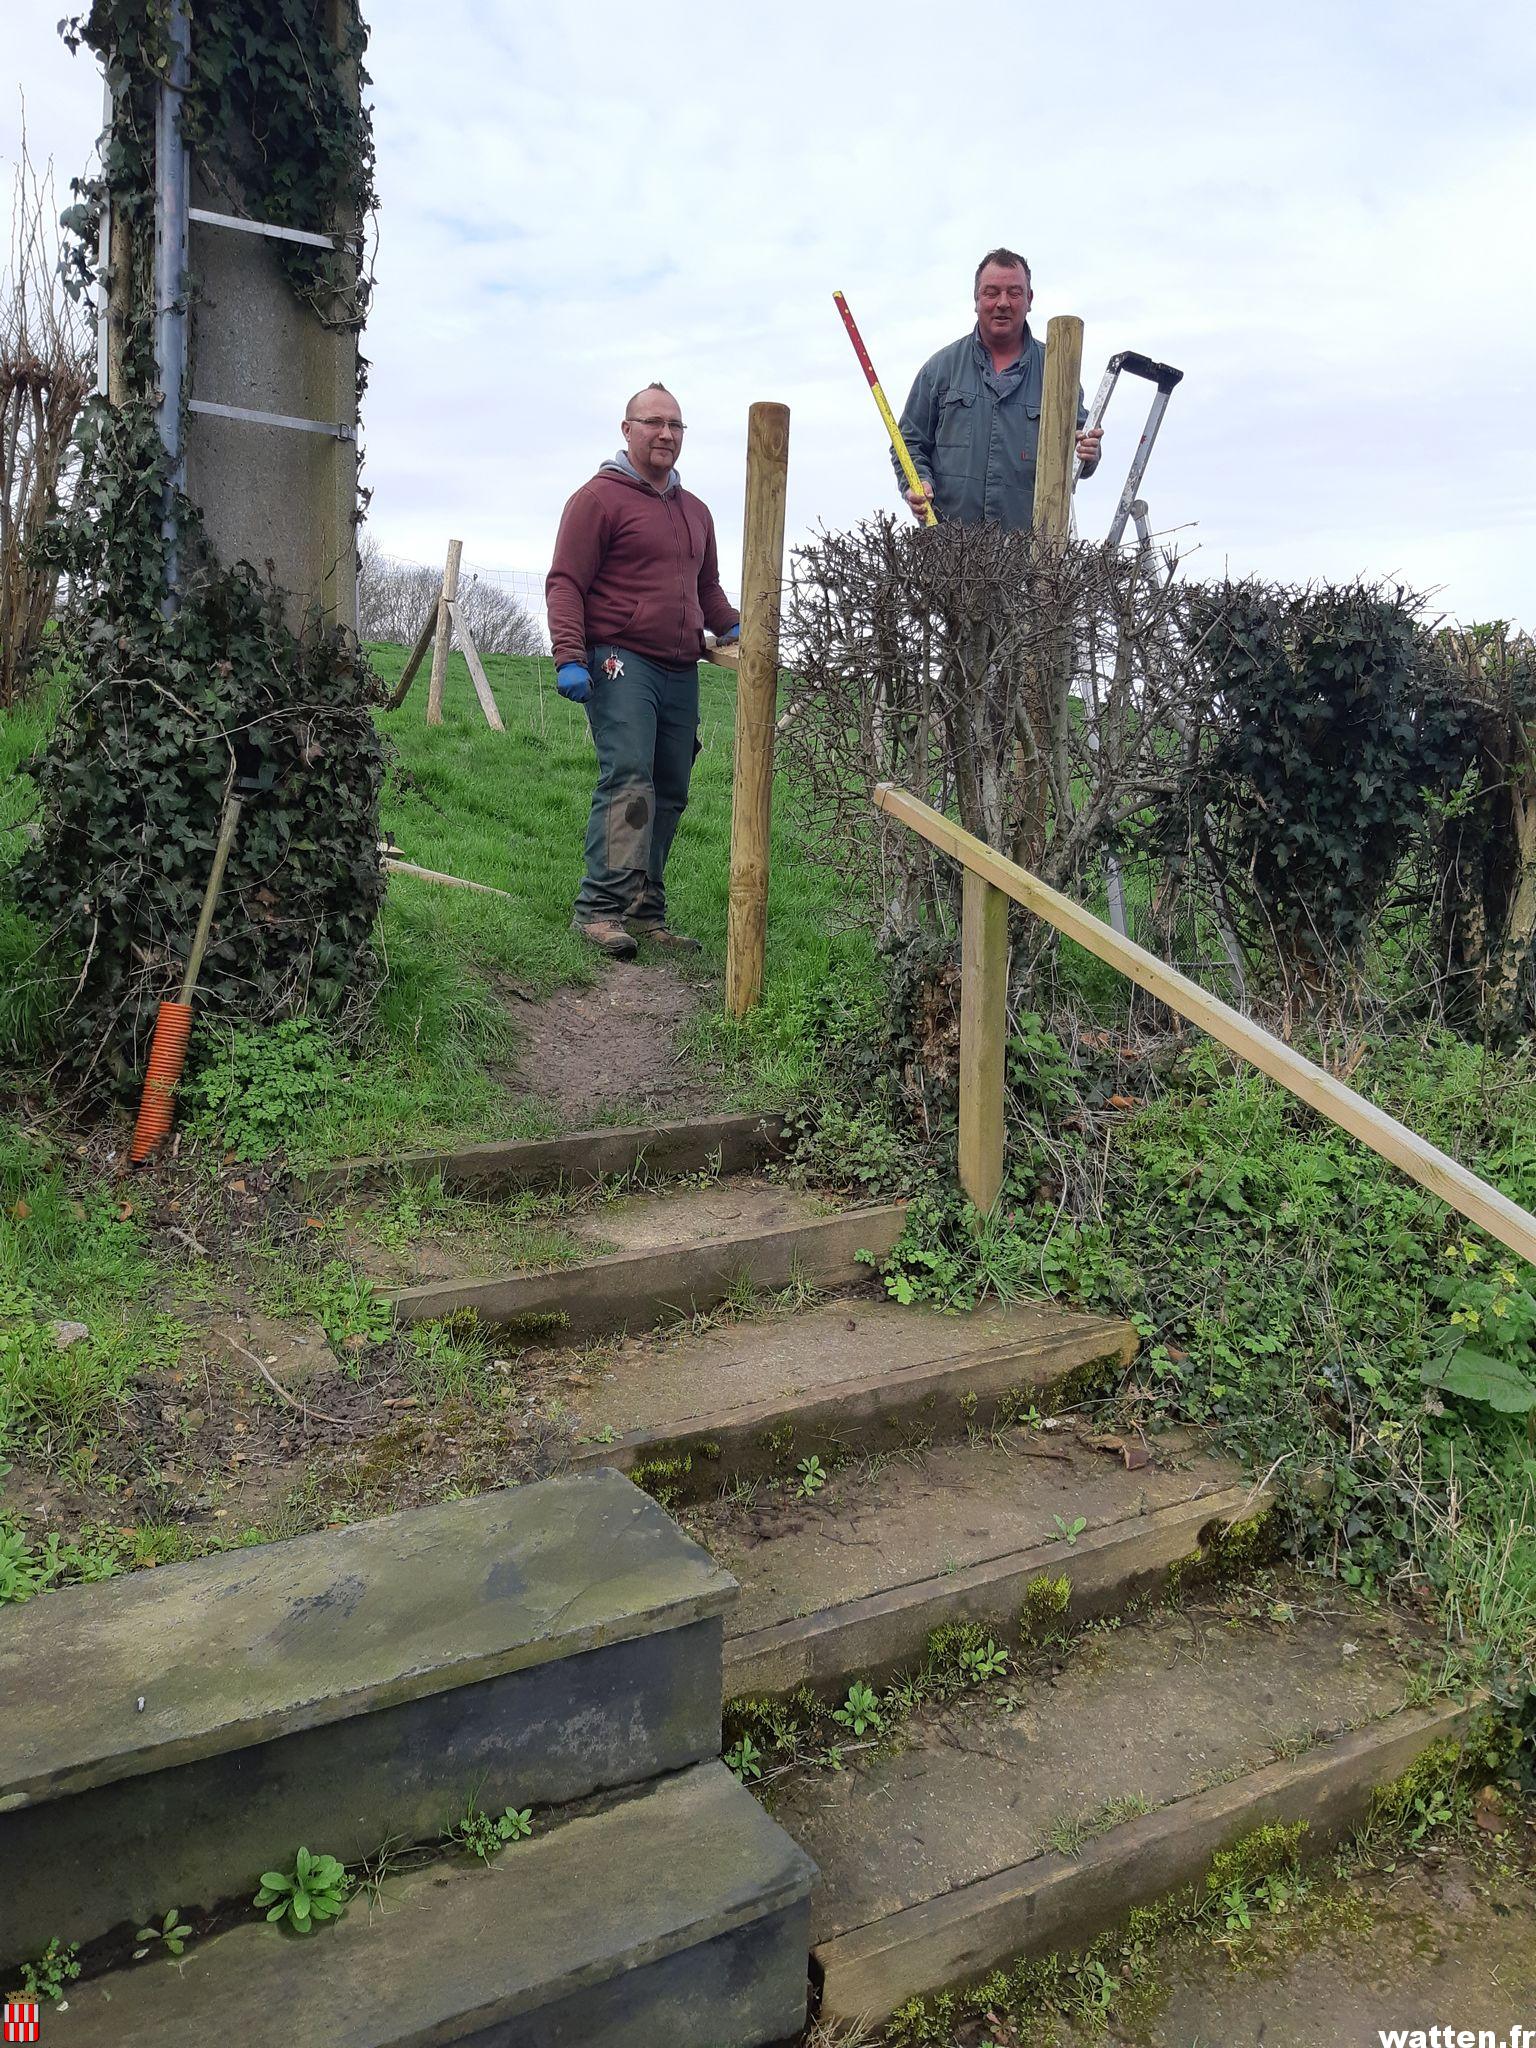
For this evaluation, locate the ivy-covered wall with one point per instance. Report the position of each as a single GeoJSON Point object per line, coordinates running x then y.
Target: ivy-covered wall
{"type": "Point", "coordinates": [172, 702]}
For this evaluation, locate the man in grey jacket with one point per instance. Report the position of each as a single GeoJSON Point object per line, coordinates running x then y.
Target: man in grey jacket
{"type": "Point", "coordinates": [972, 421]}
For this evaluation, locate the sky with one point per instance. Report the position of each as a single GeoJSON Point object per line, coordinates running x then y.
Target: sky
{"type": "Point", "coordinates": [1322, 215]}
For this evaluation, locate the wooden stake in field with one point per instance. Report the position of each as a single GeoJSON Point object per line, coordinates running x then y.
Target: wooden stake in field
{"type": "Point", "coordinates": [445, 622]}
{"type": "Point", "coordinates": [757, 687]}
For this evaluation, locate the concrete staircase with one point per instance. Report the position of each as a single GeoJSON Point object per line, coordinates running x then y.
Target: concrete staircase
{"type": "Point", "coordinates": [953, 1495]}
{"type": "Point", "coordinates": [556, 1646]}
{"type": "Point", "coordinates": [868, 1476]}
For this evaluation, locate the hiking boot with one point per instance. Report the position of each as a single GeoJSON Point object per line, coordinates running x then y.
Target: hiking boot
{"type": "Point", "coordinates": [663, 935]}
{"type": "Point", "coordinates": [608, 936]}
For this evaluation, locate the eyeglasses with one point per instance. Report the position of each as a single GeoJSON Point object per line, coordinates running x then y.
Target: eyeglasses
{"type": "Point", "coordinates": [655, 421]}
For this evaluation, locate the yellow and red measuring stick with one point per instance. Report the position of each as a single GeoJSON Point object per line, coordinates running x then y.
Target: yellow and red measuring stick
{"type": "Point", "coordinates": [903, 454]}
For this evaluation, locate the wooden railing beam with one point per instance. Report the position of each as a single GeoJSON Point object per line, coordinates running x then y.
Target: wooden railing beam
{"type": "Point", "coordinates": [1433, 1169]}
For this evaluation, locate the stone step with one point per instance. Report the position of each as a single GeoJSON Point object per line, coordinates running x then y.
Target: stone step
{"type": "Point", "coordinates": [676, 1915]}
{"type": "Point", "coordinates": [171, 1734]}
{"type": "Point", "coordinates": [679, 1254]}
{"type": "Point", "coordinates": [686, 1410]}
{"type": "Point", "coordinates": [1032, 1816]}
{"type": "Point", "coordinates": [852, 1582]}
{"type": "Point", "coordinates": [719, 1145]}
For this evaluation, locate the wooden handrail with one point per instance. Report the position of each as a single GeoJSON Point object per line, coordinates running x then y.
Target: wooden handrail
{"type": "Point", "coordinates": [1444, 1177]}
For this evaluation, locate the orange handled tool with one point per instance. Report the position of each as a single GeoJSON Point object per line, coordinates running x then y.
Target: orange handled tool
{"type": "Point", "coordinates": [173, 1021]}
{"type": "Point", "coordinates": [903, 453]}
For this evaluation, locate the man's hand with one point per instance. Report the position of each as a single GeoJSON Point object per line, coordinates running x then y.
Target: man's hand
{"type": "Point", "coordinates": [730, 636]}
{"type": "Point", "coordinates": [1090, 446]}
{"type": "Point", "coordinates": [919, 501]}
{"type": "Point", "coordinates": [573, 681]}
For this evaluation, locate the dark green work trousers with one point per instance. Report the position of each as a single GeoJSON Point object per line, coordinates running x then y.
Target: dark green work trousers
{"type": "Point", "coordinates": [645, 724]}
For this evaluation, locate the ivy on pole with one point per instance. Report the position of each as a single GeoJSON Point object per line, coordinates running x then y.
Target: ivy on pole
{"type": "Point", "coordinates": [173, 699]}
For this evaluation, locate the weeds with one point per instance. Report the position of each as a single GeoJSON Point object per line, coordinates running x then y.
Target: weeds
{"type": "Point", "coordinates": [314, 1891]}
{"type": "Point", "coordinates": [813, 1477]}
{"type": "Point", "coordinates": [486, 1834]}
{"type": "Point", "coordinates": [172, 1934]}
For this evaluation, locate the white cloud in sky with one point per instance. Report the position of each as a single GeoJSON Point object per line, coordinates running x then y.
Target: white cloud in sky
{"type": "Point", "coordinates": [1321, 216]}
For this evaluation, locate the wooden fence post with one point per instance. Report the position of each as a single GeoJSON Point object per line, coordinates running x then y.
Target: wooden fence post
{"type": "Point", "coordinates": [444, 633]}
{"type": "Point", "coordinates": [1058, 425]}
{"type": "Point", "coordinates": [983, 1037]}
{"type": "Point", "coordinates": [757, 687]}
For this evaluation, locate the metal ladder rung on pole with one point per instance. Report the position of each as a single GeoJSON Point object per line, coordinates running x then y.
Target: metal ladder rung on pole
{"type": "Point", "coordinates": [338, 430]}
{"type": "Point", "coordinates": [244, 226]}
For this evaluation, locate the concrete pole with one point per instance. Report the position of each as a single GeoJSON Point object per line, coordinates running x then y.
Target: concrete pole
{"type": "Point", "coordinates": [757, 689]}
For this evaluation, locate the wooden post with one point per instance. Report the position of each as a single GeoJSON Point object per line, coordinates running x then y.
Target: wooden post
{"type": "Point", "coordinates": [413, 660]}
{"type": "Point", "coordinates": [983, 1037]}
{"type": "Point", "coordinates": [1058, 425]}
{"type": "Point", "coordinates": [444, 633]}
{"type": "Point", "coordinates": [477, 674]}
{"type": "Point", "coordinates": [757, 687]}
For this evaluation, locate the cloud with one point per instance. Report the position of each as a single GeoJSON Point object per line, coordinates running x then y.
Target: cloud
{"type": "Point", "coordinates": [1321, 217]}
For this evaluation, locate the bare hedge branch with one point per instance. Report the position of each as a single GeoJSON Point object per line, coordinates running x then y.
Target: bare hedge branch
{"type": "Point", "coordinates": [47, 371]}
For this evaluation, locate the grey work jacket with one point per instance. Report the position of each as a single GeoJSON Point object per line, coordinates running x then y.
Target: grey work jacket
{"type": "Point", "coordinates": [974, 434]}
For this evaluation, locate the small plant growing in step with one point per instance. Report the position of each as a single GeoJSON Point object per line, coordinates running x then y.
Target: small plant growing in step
{"type": "Point", "coordinates": [1236, 1909]}
{"type": "Point", "coordinates": [980, 1662]}
{"type": "Point", "coordinates": [745, 1759]}
{"type": "Point", "coordinates": [860, 1710]}
{"type": "Point", "coordinates": [173, 1933]}
{"type": "Point", "coordinates": [486, 1834]}
{"type": "Point", "coordinates": [813, 1477]}
{"type": "Point", "coordinates": [1070, 1531]}
{"type": "Point", "coordinates": [314, 1890]}
{"type": "Point", "coordinates": [46, 1978]}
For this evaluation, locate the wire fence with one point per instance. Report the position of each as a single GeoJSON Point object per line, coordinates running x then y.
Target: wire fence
{"type": "Point", "coordinates": [504, 607]}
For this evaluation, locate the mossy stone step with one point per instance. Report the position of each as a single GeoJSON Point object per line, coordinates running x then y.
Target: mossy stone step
{"type": "Point", "coordinates": [1033, 1528]}
{"type": "Point", "coordinates": [685, 1409]}
{"type": "Point", "coordinates": [172, 1733]}
{"type": "Point", "coordinates": [1031, 1817]}
{"type": "Point", "coordinates": [717, 1144]}
{"type": "Point", "coordinates": [676, 1915]}
{"type": "Point", "coordinates": [685, 1252]}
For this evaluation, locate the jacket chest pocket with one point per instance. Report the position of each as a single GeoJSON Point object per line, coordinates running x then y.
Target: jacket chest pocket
{"type": "Point", "coordinates": [954, 423]}
{"type": "Point", "coordinates": [1028, 421]}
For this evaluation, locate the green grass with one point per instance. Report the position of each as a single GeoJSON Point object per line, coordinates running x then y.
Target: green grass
{"type": "Point", "coordinates": [68, 1253]}
{"type": "Point", "coordinates": [510, 810]}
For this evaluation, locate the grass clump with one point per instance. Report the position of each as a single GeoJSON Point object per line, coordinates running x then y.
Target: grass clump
{"type": "Point", "coordinates": [71, 1254]}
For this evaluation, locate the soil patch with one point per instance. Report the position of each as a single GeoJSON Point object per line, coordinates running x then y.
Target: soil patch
{"type": "Point", "coordinates": [612, 1050]}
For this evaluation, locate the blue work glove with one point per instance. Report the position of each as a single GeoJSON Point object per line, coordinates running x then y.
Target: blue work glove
{"type": "Point", "coordinates": [573, 681]}
{"type": "Point", "coordinates": [731, 633]}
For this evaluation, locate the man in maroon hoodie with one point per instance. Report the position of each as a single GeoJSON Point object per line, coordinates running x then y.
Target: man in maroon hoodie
{"type": "Point", "coordinates": [633, 584]}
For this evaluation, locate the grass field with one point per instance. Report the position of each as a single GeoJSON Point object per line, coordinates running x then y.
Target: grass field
{"type": "Point", "coordinates": [510, 810]}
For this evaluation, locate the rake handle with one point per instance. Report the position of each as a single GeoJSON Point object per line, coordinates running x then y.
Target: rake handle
{"type": "Point", "coordinates": [226, 840]}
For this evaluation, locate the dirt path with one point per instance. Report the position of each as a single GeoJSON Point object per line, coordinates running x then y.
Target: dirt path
{"type": "Point", "coordinates": [611, 1052]}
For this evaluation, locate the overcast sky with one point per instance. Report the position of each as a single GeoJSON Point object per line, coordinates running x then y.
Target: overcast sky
{"type": "Point", "coordinates": [1322, 214]}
